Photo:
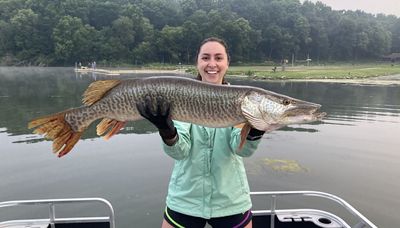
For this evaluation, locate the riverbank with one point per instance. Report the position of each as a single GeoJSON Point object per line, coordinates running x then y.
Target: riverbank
{"type": "Point", "coordinates": [354, 74]}
{"type": "Point", "coordinates": [343, 71]}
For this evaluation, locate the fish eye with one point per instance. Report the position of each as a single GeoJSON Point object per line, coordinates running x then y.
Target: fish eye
{"type": "Point", "coordinates": [286, 102]}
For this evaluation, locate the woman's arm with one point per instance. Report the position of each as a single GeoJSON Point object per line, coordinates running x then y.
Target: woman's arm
{"type": "Point", "coordinates": [181, 148]}
{"type": "Point", "coordinates": [249, 147]}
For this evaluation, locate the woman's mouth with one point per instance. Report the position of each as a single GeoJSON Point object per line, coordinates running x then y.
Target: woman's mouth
{"type": "Point", "coordinates": [212, 72]}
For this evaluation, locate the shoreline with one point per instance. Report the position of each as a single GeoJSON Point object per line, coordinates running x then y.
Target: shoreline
{"type": "Point", "coordinates": [377, 80]}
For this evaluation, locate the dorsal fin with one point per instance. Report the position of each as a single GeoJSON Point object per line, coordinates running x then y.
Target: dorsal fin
{"type": "Point", "coordinates": [97, 90]}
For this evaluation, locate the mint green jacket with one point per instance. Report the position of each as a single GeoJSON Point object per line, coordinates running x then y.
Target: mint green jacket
{"type": "Point", "coordinates": [208, 179]}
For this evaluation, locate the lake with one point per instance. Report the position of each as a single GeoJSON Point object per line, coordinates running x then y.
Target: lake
{"type": "Point", "coordinates": [352, 153]}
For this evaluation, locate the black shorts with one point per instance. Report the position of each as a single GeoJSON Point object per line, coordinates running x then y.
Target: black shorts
{"type": "Point", "coordinates": [179, 220]}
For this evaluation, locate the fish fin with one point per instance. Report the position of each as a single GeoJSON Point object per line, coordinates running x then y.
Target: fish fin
{"type": "Point", "coordinates": [243, 134]}
{"type": "Point", "coordinates": [70, 143]}
{"type": "Point", "coordinates": [97, 90]}
{"type": "Point", "coordinates": [110, 125]}
{"type": "Point", "coordinates": [239, 126]}
{"type": "Point", "coordinates": [104, 125]}
{"type": "Point", "coordinates": [55, 127]}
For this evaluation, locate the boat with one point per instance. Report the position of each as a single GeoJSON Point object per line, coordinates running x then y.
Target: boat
{"type": "Point", "coordinates": [270, 216]}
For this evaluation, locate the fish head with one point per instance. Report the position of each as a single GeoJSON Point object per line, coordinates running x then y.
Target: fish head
{"type": "Point", "coordinates": [268, 111]}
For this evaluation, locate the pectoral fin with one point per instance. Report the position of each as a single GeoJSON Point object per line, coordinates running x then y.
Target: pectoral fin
{"type": "Point", "coordinates": [243, 135]}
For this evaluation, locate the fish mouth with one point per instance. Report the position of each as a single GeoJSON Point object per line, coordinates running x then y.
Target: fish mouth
{"type": "Point", "coordinates": [309, 111]}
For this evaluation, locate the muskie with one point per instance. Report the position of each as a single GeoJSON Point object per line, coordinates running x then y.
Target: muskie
{"type": "Point", "coordinates": [191, 101]}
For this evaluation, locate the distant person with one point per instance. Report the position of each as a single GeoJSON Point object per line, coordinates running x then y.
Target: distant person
{"type": "Point", "coordinates": [94, 65]}
{"type": "Point", "coordinates": [208, 182]}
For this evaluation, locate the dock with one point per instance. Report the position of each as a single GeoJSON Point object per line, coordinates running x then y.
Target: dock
{"type": "Point", "coordinates": [116, 72]}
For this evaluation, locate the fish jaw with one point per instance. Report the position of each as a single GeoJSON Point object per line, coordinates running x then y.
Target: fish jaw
{"type": "Point", "coordinates": [269, 111]}
{"type": "Point", "coordinates": [304, 117]}
{"type": "Point", "coordinates": [302, 112]}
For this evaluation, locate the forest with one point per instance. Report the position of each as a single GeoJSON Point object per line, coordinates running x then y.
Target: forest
{"type": "Point", "coordinates": [135, 32]}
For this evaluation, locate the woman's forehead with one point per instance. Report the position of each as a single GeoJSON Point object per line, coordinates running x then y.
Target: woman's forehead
{"type": "Point", "coordinates": [213, 48]}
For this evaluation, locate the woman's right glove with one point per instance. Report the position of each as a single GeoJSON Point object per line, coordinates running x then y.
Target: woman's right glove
{"type": "Point", "coordinates": [158, 113]}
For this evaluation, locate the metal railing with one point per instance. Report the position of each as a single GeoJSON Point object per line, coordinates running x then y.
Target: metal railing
{"type": "Point", "coordinates": [363, 221]}
{"type": "Point", "coordinates": [52, 203]}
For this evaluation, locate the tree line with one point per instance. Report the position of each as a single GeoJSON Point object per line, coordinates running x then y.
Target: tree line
{"type": "Point", "coordinates": [62, 32]}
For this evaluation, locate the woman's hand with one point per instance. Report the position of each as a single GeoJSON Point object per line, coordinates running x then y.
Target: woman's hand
{"type": "Point", "coordinates": [157, 111]}
{"type": "Point", "coordinates": [254, 134]}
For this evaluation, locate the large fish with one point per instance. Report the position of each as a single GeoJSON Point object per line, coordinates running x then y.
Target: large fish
{"type": "Point", "coordinates": [191, 101]}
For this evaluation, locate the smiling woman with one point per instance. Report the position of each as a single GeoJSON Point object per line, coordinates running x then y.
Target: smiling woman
{"type": "Point", "coordinates": [212, 61]}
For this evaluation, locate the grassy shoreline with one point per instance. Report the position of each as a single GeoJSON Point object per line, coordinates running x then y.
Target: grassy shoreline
{"type": "Point", "coordinates": [316, 72]}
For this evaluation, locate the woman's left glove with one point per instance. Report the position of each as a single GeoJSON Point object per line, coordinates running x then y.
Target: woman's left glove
{"type": "Point", "coordinates": [254, 134]}
{"type": "Point", "coordinates": [158, 113]}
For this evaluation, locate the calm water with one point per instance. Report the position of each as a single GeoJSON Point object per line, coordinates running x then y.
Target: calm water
{"type": "Point", "coordinates": [354, 153]}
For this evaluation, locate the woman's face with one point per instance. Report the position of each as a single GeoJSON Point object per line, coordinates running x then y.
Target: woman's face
{"type": "Point", "coordinates": [212, 62]}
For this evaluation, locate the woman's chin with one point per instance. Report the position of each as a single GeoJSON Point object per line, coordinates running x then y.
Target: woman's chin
{"type": "Point", "coordinates": [215, 79]}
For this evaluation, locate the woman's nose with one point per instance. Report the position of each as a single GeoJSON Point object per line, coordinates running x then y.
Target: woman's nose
{"type": "Point", "coordinates": [212, 62]}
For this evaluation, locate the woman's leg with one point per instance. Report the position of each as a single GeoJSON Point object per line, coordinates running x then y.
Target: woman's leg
{"type": "Point", "coordinates": [250, 225]}
{"type": "Point", "coordinates": [165, 224]}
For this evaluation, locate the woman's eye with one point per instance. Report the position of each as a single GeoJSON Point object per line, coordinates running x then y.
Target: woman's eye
{"type": "Point", "coordinates": [204, 58]}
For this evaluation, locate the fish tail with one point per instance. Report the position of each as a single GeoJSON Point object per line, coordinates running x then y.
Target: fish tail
{"type": "Point", "coordinates": [56, 128]}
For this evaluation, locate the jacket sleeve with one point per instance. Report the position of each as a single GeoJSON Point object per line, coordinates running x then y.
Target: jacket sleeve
{"type": "Point", "coordinates": [249, 147]}
{"type": "Point", "coordinates": [180, 150]}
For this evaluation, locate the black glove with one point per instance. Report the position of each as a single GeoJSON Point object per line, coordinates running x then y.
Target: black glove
{"type": "Point", "coordinates": [158, 113]}
{"type": "Point", "coordinates": [254, 134]}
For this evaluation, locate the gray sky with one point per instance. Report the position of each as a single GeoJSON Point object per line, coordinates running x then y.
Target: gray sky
{"type": "Point", "coordinates": [369, 6]}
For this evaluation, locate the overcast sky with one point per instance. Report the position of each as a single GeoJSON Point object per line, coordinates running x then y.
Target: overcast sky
{"type": "Point", "coordinates": [369, 6]}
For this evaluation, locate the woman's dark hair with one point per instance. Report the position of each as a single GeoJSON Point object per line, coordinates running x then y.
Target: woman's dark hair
{"type": "Point", "coordinates": [212, 39]}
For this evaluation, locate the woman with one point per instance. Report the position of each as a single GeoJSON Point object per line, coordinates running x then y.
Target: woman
{"type": "Point", "coordinates": [208, 182]}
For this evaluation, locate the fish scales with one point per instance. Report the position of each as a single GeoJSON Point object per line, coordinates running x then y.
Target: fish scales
{"type": "Point", "coordinates": [200, 103]}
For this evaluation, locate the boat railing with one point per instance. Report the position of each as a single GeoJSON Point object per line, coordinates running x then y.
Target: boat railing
{"type": "Point", "coordinates": [274, 195]}
{"type": "Point", "coordinates": [52, 220]}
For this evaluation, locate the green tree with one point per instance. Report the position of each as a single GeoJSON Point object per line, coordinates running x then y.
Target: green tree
{"type": "Point", "coordinates": [6, 38]}
{"type": "Point", "coordinates": [74, 41]}
{"type": "Point", "coordinates": [168, 45]}
{"type": "Point", "coordinates": [143, 53]}
{"type": "Point", "coordinates": [102, 14]}
{"type": "Point", "coordinates": [162, 13]}
{"type": "Point", "coordinates": [26, 36]}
